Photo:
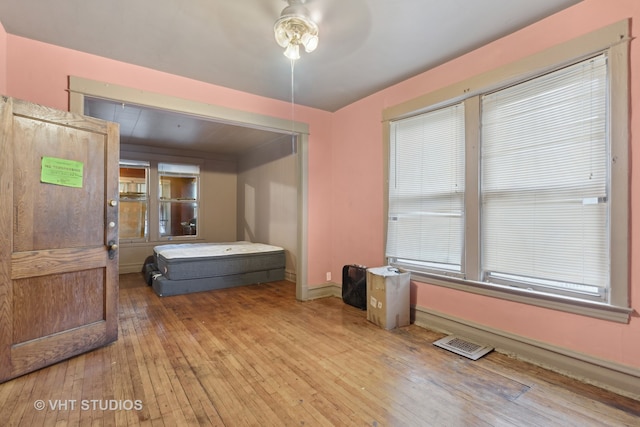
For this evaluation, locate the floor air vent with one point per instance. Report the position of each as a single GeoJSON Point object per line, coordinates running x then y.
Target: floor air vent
{"type": "Point", "coordinates": [463, 347]}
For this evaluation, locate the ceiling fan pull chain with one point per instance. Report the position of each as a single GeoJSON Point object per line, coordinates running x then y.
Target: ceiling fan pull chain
{"type": "Point", "coordinates": [293, 112]}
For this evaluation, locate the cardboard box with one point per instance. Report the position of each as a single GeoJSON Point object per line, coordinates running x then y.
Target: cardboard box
{"type": "Point", "coordinates": [388, 294]}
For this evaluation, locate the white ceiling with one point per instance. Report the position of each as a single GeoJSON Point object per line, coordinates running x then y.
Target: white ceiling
{"type": "Point", "coordinates": [365, 45]}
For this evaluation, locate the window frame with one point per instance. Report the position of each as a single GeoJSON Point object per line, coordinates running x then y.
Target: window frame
{"type": "Point", "coordinates": [178, 201]}
{"type": "Point", "coordinates": [153, 209]}
{"type": "Point", "coordinates": [498, 192]}
{"type": "Point", "coordinates": [144, 165]}
{"type": "Point", "coordinates": [612, 40]}
{"type": "Point", "coordinates": [447, 192]}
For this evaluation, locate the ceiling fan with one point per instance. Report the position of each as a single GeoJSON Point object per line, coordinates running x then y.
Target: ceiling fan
{"type": "Point", "coordinates": [296, 28]}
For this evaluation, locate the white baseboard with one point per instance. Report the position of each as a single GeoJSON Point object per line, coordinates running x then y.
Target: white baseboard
{"type": "Point", "coordinates": [290, 276]}
{"type": "Point", "coordinates": [129, 268]}
{"type": "Point", "coordinates": [327, 290]}
{"type": "Point", "coordinates": [621, 379]}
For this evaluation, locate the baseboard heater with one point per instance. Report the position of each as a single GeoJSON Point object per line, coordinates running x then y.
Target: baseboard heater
{"type": "Point", "coordinates": [463, 347]}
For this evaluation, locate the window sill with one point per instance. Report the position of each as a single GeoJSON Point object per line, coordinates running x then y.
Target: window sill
{"type": "Point", "coordinates": [566, 304]}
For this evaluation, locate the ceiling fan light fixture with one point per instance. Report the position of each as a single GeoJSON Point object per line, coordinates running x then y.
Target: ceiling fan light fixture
{"type": "Point", "coordinates": [295, 28]}
{"type": "Point", "coordinates": [292, 51]}
{"type": "Point", "coordinates": [281, 36]}
{"type": "Point", "coordinates": [310, 42]}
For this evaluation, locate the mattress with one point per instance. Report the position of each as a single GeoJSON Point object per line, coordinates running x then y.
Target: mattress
{"type": "Point", "coordinates": [204, 260]}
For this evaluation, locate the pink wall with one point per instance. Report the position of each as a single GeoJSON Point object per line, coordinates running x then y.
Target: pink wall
{"type": "Point", "coordinates": [38, 72]}
{"type": "Point", "coordinates": [357, 186]}
{"type": "Point", "coordinates": [3, 60]}
{"type": "Point", "coordinates": [345, 164]}
{"type": "Point", "coordinates": [358, 189]}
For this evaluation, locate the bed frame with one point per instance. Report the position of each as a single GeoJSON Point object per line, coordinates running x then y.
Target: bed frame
{"type": "Point", "coordinates": [196, 267]}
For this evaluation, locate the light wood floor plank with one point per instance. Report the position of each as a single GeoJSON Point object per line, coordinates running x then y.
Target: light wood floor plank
{"type": "Point", "coordinates": [254, 356]}
{"type": "Point", "coordinates": [22, 408]}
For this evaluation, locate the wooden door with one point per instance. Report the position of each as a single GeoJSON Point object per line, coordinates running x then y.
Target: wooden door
{"type": "Point", "coordinates": [58, 235]}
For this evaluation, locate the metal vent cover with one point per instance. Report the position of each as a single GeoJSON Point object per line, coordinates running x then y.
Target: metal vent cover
{"type": "Point", "coordinates": [463, 347]}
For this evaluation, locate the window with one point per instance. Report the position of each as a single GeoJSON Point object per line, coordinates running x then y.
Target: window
{"type": "Point", "coordinates": [426, 190]}
{"type": "Point", "coordinates": [178, 199]}
{"type": "Point", "coordinates": [134, 200]}
{"type": "Point", "coordinates": [519, 189]}
{"type": "Point", "coordinates": [544, 181]}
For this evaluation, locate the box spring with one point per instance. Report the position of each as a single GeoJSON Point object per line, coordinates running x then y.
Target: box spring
{"type": "Point", "coordinates": [165, 287]}
{"type": "Point", "coordinates": [195, 267]}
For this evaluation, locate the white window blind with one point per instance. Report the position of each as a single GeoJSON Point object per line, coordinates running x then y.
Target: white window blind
{"type": "Point", "coordinates": [426, 189]}
{"type": "Point", "coordinates": [544, 175]}
{"type": "Point", "coordinates": [178, 169]}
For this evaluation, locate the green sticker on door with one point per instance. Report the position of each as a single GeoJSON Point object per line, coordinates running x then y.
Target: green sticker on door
{"type": "Point", "coordinates": [63, 172]}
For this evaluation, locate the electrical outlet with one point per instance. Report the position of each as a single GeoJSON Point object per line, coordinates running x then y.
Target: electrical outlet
{"type": "Point", "coordinates": [328, 276]}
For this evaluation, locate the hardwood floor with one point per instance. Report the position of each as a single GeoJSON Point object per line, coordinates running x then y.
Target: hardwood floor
{"type": "Point", "coordinates": [256, 356]}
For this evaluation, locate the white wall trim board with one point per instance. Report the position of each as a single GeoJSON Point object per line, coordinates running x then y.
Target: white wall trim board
{"type": "Point", "coordinates": [130, 268]}
{"type": "Point", "coordinates": [324, 291]}
{"type": "Point", "coordinates": [290, 275]}
{"type": "Point", "coordinates": [621, 379]}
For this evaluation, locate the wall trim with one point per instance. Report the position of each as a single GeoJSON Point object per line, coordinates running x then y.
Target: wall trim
{"type": "Point", "coordinates": [621, 379]}
{"type": "Point", "coordinates": [323, 291]}
{"type": "Point", "coordinates": [80, 87]}
{"type": "Point", "coordinates": [290, 275]}
{"type": "Point", "coordinates": [540, 62]}
{"type": "Point", "coordinates": [130, 268]}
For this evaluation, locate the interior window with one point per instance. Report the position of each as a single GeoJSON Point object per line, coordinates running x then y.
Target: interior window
{"type": "Point", "coordinates": [134, 200]}
{"type": "Point", "coordinates": [178, 199]}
